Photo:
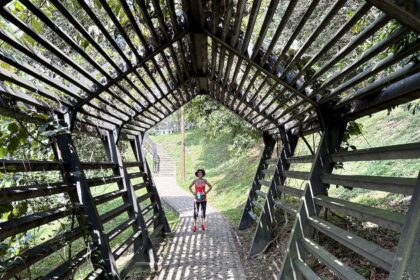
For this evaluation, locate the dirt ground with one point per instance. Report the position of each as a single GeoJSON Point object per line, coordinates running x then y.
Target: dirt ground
{"type": "Point", "coordinates": [264, 266]}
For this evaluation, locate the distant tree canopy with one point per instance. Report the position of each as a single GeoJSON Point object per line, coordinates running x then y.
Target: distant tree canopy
{"type": "Point", "coordinates": [216, 120]}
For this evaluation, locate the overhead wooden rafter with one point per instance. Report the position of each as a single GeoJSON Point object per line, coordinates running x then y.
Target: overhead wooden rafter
{"type": "Point", "coordinates": [267, 64]}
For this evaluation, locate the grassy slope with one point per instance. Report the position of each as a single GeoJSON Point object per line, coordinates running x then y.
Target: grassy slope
{"type": "Point", "coordinates": [399, 127]}
{"type": "Point", "coordinates": [232, 176]}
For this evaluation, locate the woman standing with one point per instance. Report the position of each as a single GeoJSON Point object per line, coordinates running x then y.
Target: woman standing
{"type": "Point", "coordinates": [200, 200]}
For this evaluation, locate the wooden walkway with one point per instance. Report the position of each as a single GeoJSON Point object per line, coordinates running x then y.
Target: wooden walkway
{"type": "Point", "coordinates": [209, 254]}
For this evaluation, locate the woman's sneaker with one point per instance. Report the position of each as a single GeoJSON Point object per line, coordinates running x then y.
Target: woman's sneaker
{"type": "Point", "coordinates": [203, 227]}
{"type": "Point", "coordinates": [194, 228]}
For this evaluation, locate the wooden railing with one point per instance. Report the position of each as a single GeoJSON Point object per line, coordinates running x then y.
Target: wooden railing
{"type": "Point", "coordinates": [133, 214]}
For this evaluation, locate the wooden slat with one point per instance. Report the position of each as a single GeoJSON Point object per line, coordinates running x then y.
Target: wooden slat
{"type": "Point", "coordinates": [286, 207]}
{"type": "Point", "coordinates": [108, 196]}
{"type": "Point", "coordinates": [28, 222]}
{"type": "Point", "coordinates": [268, 171]}
{"type": "Point", "coordinates": [39, 252]}
{"type": "Point", "coordinates": [64, 36]}
{"type": "Point", "coordinates": [381, 82]}
{"type": "Point", "coordinates": [384, 93]}
{"type": "Point", "coordinates": [149, 208]}
{"type": "Point", "coordinates": [71, 91]}
{"type": "Point", "coordinates": [404, 151]}
{"type": "Point", "coordinates": [335, 7]}
{"type": "Point", "coordinates": [68, 267]}
{"type": "Point", "coordinates": [371, 251]}
{"type": "Point", "coordinates": [140, 63]}
{"type": "Point", "coordinates": [265, 182]}
{"type": "Point", "coordinates": [47, 44]}
{"type": "Point", "coordinates": [272, 160]}
{"type": "Point", "coordinates": [399, 12]}
{"type": "Point", "coordinates": [343, 271]}
{"type": "Point", "coordinates": [256, 204]}
{"type": "Point", "coordinates": [32, 191]}
{"type": "Point", "coordinates": [358, 14]}
{"type": "Point", "coordinates": [261, 193]}
{"type": "Point", "coordinates": [98, 165]}
{"type": "Point", "coordinates": [306, 271]}
{"type": "Point", "coordinates": [126, 244]}
{"type": "Point", "coordinates": [387, 184]}
{"type": "Point", "coordinates": [96, 274]}
{"type": "Point", "coordinates": [144, 197]}
{"type": "Point", "coordinates": [265, 71]}
{"type": "Point", "coordinates": [28, 165]}
{"type": "Point", "coordinates": [407, 253]}
{"type": "Point", "coordinates": [137, 187]}
{"type": "Point", "coordinates": [391, 59]}
{"type": "Point", "coordinates": [133, 164]}
{"type": "Point", "coordinates": [301, 175]}
{"type": "Point", "coordinates": [120, 229]}
{"type": "Point", "coordinates": [114, 212]}
{"type": "Point", "coordinates": [384, 218]}
{"type": "Point", "coordinates": [136, 175]}
{"type": "Point", "coordinates": [354, 43]}
{"type": "Point", "coordinates": [290, 190]}
{"type": "Point", "coordinates": [252, 215]}
{"type": "Point", "coordinates": [300, 159]}
{"type": "Point", "coordinates": [94, 182]}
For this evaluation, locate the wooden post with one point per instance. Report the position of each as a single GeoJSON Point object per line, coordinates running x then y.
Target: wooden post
{"type": "Point", "coordinates": [264, 231]}
{"type": "Point", "coordinates": [73, 173]}
{"type": "Point", "coordinates": [143, 248]}
{"type": "Point", "coordinates": [406, 259]}
{"type": "Point", "coordinates": [331, 138]}
{"type": "Point", "coordinates": [248, 215]}
{"type": "Point", "coordinates": [150, 186]}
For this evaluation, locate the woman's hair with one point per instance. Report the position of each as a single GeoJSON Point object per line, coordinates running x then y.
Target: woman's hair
{"type": "Point", "coordinates": [200, 170]}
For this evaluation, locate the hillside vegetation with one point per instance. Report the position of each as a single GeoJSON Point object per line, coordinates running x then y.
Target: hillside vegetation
{"type": "Point", "coordinates": [232, 174]}
{"type": "Point", "coordinates": [229, 174]}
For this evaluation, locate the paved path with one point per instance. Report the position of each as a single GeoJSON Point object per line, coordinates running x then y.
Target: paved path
{"type": "Point", "coordinates": [209, 254]}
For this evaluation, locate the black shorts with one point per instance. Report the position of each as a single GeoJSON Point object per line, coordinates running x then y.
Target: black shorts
{"type": "Point", "coordinates": [197, 205]}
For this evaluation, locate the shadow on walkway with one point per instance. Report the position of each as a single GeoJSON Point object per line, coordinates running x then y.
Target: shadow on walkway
{"type": "Point", "coordinates": [209, 254]}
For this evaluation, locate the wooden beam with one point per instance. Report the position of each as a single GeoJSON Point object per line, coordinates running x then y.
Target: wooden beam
{"type": "Point", "coordinates": [407, 255]}
{"type": "Point", "coordinates": [65, 151]}
{"type": "Point", "coordinates": [139, 64]}
{"type": "Point", "coordinates": [143, 248]}
{"type": "Point", "coordinates": [247, 217]}
{"type": "Point", "coordinates": [374, 97]}
{"type": "Point", "coordinates": [264, 233]}
{"type": "Point", "coordinates": [265, 71]}
{"type": "Point", "coordinates": [136, 145]}
{"type": "Point", "coordinates": [406, 12]}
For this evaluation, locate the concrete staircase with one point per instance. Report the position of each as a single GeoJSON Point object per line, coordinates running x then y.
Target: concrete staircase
{"type": "Point", "coordinates": [167, 166]}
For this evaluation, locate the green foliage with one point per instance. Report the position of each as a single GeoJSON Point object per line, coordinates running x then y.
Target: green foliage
{"type": "Point", "coordinates": [24, 141]}
{"type": "Point", "coordinates": [412, 107]}
{"type": "Point", "coordinates": [353, 129]}
{"type": "Point", "coordinates": [11, 135]}
{"type": "Point", "coordinates": [216, 121]}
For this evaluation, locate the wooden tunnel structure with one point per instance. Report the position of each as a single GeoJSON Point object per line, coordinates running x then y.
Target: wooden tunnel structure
{"type": "Point", "coordinates": [114, 69]}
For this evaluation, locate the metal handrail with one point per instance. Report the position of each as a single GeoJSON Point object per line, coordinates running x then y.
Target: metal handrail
{"type": "Point", "coordinates": [150, 147]}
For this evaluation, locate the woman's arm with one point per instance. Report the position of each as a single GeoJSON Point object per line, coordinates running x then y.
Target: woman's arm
{"type": "Point", "coordinates": [190, 187]}
{"type": "Point", "coordinates": [210, 187]}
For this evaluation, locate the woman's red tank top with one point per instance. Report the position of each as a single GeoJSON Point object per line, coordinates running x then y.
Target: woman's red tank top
{"type": "Point", "coordinates": [200, 188]}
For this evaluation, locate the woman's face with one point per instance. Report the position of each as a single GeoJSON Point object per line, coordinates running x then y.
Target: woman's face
{"type": "Point", "coordinates": [200, 174]}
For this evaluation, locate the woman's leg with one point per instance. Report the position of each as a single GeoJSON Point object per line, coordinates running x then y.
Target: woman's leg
{"type": "Point", "coordinates": [196, 205]}
{"type": "Point", "coordinates": [203, 213]}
